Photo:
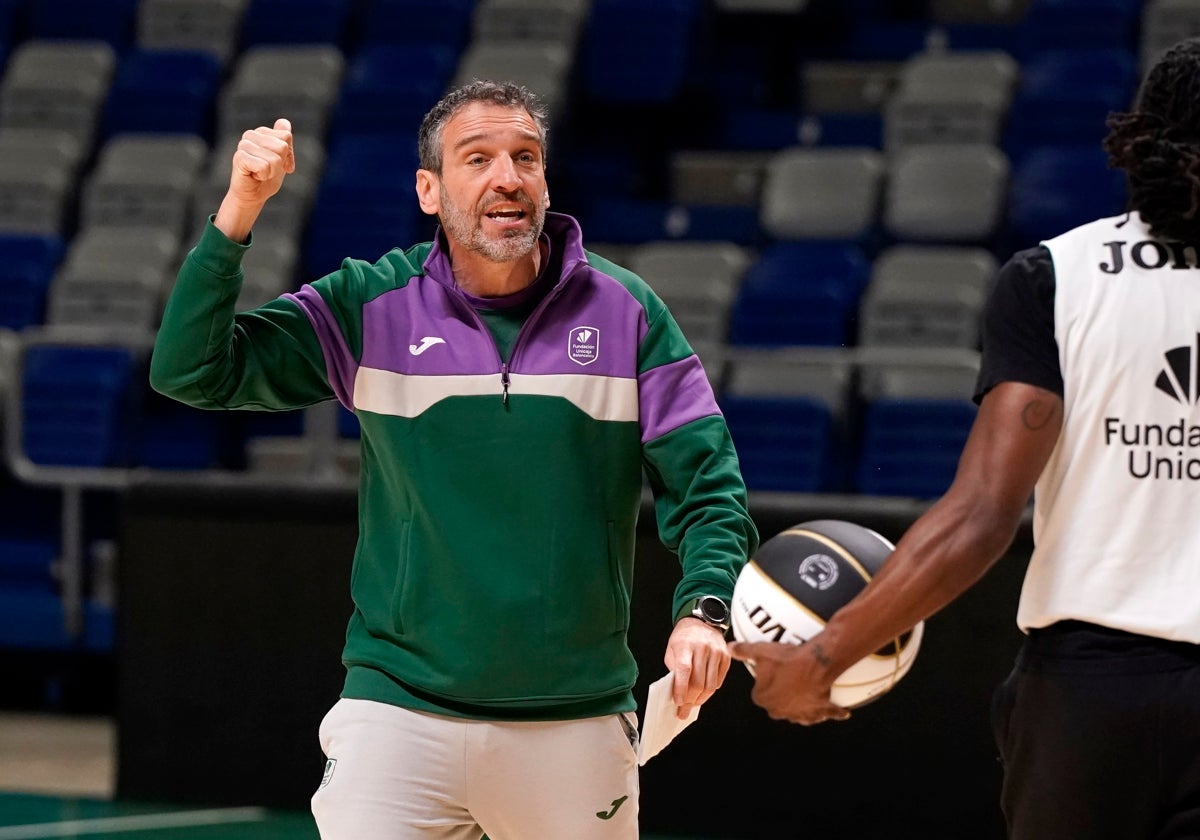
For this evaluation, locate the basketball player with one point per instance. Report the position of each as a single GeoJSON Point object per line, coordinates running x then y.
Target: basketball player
{"type": "Point", "coordinates": [1087, 399]}
{"type": "Point", "coordinates": [512, 389]}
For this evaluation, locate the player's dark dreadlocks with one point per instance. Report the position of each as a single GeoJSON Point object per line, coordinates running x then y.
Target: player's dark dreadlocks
{"type": "Point", "coordinates": [1158, 144]}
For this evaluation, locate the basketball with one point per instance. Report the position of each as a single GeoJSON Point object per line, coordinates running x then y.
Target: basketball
{"type": "Point", "coordinates": [799, 578]}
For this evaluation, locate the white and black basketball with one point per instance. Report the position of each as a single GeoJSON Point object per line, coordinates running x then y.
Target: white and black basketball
{"type": "Point", "coordinates": [799, 578]}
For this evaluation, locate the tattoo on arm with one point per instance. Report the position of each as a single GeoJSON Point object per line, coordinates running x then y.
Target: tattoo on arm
{"type": "Point", "coordinates": [1037, 413]}
{"type": "Point", "coordinates": [819, 654]}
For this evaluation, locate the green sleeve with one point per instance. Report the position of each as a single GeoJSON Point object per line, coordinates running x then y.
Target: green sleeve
{"type": "Point", "coordinates": [701, 508]}
{"type": "Point", "coordinates": [208, 357]}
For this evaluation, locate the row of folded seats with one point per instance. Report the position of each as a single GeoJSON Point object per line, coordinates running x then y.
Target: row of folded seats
{"type": "Point", "coordinates": [824, 216]}
{"type": "Point", "coordinates": [873, 420]}
{"type": "Point", "coordinates": [919, 311]}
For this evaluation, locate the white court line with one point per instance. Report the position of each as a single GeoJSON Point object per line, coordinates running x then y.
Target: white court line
{"type": "Point", "coordinates": [144, 822]}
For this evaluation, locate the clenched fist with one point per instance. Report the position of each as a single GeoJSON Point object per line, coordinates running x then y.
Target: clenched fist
{"type": "Point", "coordinates": [262, 159]}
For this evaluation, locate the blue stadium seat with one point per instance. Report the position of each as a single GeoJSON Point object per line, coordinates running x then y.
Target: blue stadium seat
{"type": "Point", "coordinates": [27, 265]}
{"type": "Point", "coordinates": [784, 443]}
{"type": "Point", "coordinates": [886, 40]}
{"type": "Point", "coordinates": [99, 627]}
{"type": "Point", "coordinates": [1065, 95]}
{"type": "Point", "coordinates": [388, 88]}
{"type": "Point", "coordinates": [74, 405]}
{"type": "Point", "coordinates": [28, 561]}
{"type": "Point", "coordinates": [112, 21]}
{"type": "Point", "coordinates": [33, 620]}
{"type": "Point", "coordinates": [911, 446]}
{"type": "Point", "coordinates": [170, 91]}
{"type": "Point", "coordinates": [790, 413]}
{"type": "Point", "coordinates": [29, 547]}
{"type": "Point", "coordinates": [445, 22]}
{"type": "Point", "coordinates": [296, 22]}
{"type": "Point", "coordinates": [365, 204]}
{"type": "Point", "coordinates": [774, 128]}
{"type": "Point", "coordinates": [1049, 24]}
{"type": "Point", "coordinates": [800, 293]}
{"type": "Point", "coordinates": [614, 218]}
{"type": "Point", "coordinates": [174, 436]}
{"type": "Point", "coordinates": [1056, 188]}
{"type": "Point", "coordinates": [644, 63]}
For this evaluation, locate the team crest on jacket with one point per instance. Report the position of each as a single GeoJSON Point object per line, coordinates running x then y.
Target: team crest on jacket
{"type": "Point", "coordinates": [583, 345]}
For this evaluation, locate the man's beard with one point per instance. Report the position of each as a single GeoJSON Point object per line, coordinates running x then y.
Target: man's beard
{"type": "Point", "coordinates": [467, 230]}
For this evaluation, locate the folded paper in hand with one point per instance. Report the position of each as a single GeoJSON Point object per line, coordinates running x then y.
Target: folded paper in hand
{"type": "Point", "coordinates": [660, 723]}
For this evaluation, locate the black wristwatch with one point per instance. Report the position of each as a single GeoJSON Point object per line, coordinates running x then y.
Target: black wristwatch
{"type": "Point", "coordinates": [712, 611]}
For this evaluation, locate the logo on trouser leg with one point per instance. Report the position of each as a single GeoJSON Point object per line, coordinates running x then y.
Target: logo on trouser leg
{"type": "Point", "coordinates": [329, 765]}
{"type": "Point", "coordinates": [609, 814]}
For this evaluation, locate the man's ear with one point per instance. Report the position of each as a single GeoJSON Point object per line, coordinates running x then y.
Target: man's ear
{"type": "Point", "coordinates": [427, 192]}
{"type": "Point", "coordinates": [546, 194]}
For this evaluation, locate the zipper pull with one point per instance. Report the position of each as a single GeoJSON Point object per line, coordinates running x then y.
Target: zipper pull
{"type": "Point", "coordinates": [504, 382]}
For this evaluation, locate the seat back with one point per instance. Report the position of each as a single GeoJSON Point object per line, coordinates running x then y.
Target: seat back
{"type": "Point", "coordinates": [926, 296]}
{"type": "Point", "coordinates": [269, 80]}
{"type": "Point", "coordinates": [950, 97]}
{"type": "Point", "coordinates": [952, 193]}
{"type": "Point", "coordinates": [213, 26]}
{"type": "Point", "coordinates": [697, 281]}
{"type": "Point", "coordinates": [822, 193]}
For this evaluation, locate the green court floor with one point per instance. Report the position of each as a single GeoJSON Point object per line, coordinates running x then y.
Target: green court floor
{"type": "Point", "coordinates": [28, 817]}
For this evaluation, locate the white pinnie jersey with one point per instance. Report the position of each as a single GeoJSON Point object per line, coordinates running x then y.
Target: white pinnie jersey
{"type": "Point", "coordinates": [1117, 509]}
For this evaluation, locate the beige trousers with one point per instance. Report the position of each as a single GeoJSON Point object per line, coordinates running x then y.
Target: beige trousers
{"type": "Point", "coordinates": [397, 774]}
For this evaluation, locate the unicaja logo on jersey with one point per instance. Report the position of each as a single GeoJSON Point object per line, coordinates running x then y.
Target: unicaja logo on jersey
{"type": "Point", "coordinates": [1178, 380]}
{"type": "Point", "coordinates": [583, 345]}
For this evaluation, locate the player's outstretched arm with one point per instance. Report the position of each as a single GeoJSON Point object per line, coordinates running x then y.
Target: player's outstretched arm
{"type": "Point", "coordinates": [262, 158]}
{"type": "Point", "coordinates": [943, 553]}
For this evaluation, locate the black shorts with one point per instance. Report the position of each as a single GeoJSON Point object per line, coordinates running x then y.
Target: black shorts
{"type": "Point", "coordinates": [1099, 734]}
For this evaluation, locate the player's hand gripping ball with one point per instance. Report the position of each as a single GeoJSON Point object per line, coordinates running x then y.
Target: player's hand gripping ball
{"type": "Point", "coordinates": [799, 578]}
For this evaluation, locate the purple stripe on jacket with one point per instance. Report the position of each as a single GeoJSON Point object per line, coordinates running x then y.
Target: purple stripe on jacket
{"type": "Point", "coordinates": [340, 366]}
{"type": "Point", "coordinates": [672, 395]}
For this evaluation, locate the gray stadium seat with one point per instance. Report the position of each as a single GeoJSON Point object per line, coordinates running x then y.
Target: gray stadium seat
{"type": "Point", "coordinates": [542, 66]}
{"type": "Point", "coordinates": [287, 211]}
{"type": "Point", "coordinates": [57, 84]}
{"type": "Point", "coordinates": [1165, 23]}
{"type": "Point", "coordinates": [822, 193]}
{"type": "Point", "coordinates": [144, 181]}
{"type": "Point", "coordinates": [847, 87]}
{"type": "Point", "coordinates": [269, 268]}
{"type": "Point", "coordinates": [114, 277]}
{"type": "Point", "coordinates": [952, 193]}
{"type": "Point", "coordinates": [822, 373]}
{"type": "Point", "coordinates": [210, 26]}
{"type": "Point", "coordinates": [916, 373]}
{"type": "Point", "coordinates": [950, 97]}
{"type": "Point", "coordinates": [697, 280]}
{"type": "Point", "coordinates": [926, 296]}
{"type": "Point", "coordinates": [544, 21]}
{"type": "Point", "coordinates": [296, 81]}
{"type": "Point", "coordinates": [719, 178]}
{"type": "Point", "coordinates": [38, 177]}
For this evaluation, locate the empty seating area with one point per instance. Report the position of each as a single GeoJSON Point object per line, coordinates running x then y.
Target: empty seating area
{"type": "Point", "coordinates": [821, 191]}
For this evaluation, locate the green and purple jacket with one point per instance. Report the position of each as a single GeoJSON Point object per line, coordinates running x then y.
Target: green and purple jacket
{"type": "Point", "coordinates": [498, 501]}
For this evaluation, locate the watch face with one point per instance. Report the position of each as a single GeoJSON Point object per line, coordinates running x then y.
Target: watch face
{"type": "Point", "coordinates": [714, 609]}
